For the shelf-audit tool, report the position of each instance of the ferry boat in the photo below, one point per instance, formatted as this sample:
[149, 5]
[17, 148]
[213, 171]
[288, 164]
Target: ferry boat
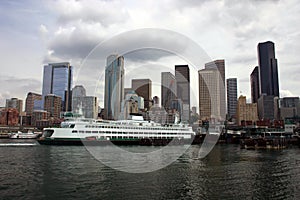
[136, 131]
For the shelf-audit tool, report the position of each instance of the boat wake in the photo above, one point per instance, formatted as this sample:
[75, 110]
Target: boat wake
[17, 144]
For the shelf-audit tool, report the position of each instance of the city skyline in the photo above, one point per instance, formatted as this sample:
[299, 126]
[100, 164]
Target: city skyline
[55, 34]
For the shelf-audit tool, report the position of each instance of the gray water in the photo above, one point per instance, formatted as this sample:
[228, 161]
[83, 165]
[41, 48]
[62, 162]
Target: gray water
[70, 172]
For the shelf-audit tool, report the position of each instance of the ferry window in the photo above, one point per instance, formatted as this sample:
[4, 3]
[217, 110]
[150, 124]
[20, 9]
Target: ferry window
[94, 131]
[72, 125]
[81, 131]
[48, 133]
[74, 131]
[88, 131]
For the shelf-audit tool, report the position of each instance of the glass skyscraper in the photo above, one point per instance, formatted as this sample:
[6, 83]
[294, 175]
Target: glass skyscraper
[268, 72]
[168, 89]
[57, 80]
[114, 86]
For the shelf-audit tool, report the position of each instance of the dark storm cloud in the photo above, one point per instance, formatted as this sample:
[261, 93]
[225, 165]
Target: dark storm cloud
[76, 43]
[140, 45]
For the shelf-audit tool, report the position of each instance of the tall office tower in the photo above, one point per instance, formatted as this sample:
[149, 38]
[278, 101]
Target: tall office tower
[220, 65]
[114, 86]
[231, 96]
[246, 111]
[210, 86]
[168, 90]
[212, 103]
[33, 102]
[254, 80]
[143, 88]
[15, 103]
[57, 79]
[268, 72]
[182, 76]
[52, 104]
[78, 91]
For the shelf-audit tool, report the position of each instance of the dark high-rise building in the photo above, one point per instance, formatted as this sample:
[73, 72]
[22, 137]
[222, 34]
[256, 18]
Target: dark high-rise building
[58, 80]
[168, 89]
[267, 106]
[231, 96]
[143, 88]
[182, 76]
[268, 71]
[254, 80]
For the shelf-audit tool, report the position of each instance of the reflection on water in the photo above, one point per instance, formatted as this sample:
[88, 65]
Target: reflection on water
[62, 172]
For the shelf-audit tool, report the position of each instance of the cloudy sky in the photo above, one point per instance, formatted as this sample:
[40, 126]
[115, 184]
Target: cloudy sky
[34, 33]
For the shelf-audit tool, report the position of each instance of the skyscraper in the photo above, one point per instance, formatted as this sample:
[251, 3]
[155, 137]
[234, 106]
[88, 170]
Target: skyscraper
[268, 72]
[231, 96]
[58, 79]
[212, 103]
[254, 80]
[114, 86]
[168, 89]
[182, 76]
[220, 65]
[210, 83]
[143, 88]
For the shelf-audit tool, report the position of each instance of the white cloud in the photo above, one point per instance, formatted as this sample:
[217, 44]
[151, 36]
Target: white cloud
[43, 29]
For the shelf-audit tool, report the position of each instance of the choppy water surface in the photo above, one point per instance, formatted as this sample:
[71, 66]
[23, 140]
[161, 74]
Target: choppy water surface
[70, 172]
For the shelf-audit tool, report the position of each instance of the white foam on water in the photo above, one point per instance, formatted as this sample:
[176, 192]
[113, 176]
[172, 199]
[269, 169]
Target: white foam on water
[16, 144]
